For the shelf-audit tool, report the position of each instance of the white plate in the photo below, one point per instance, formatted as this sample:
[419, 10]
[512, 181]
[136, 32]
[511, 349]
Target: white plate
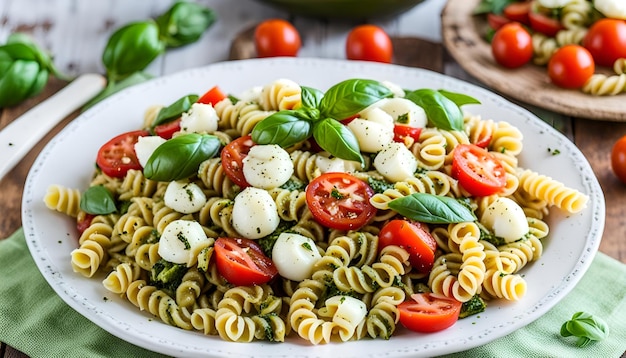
[69, 160]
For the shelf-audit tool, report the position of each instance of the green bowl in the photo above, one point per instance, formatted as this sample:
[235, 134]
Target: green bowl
[344, 9]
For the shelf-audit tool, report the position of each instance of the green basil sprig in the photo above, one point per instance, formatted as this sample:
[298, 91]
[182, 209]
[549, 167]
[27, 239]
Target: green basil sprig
[319, 116]
[97, 200]
[440, 110]
[585, 326]
[24, 69]
[349, 97]
[432, 209]
[184, 23]
[180, 157]
[175, 110]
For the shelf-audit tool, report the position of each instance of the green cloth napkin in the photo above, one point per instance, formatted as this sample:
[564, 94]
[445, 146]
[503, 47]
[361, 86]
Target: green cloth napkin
[36, 321]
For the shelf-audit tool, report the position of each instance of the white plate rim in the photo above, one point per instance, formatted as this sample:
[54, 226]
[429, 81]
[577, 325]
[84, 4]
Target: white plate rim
[168, 339]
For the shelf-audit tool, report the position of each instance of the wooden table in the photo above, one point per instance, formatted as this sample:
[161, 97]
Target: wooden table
[417, 41]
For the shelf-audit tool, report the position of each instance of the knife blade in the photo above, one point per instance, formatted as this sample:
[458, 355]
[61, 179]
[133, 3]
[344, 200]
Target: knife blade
[22, 134]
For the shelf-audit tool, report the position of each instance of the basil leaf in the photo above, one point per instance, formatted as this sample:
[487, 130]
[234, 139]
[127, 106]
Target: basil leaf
[174, 110]
[585, 326]
[180, 157]
[440, 110]
[311, 97]
[432, 209]
[283, 128]
[351, 96]
[97, 200]
[132, 48]
[459, 99]
[337, 139]
[184, 23]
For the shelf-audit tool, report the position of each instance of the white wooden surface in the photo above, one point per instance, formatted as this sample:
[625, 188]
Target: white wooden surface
[76, 31]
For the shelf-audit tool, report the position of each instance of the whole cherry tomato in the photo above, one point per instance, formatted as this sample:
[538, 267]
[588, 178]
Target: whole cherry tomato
[512, 45]
[606, 40]
[276, 37]
[618, 159]
[369, 43]
[571, 66]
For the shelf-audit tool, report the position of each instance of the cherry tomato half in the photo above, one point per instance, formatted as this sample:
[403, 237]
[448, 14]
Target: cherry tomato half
[415, 238]
[402, 131]
[478, 172]
[276, 37]
[369, 43]
[571, 66]
[117, 156]
[606, 40]
[167, 130]
[618, 159]
[232, 159]
[544, 24]
[518, 11]
[340, 201]
[428, 312]
[242, 262]
[212, 96]
[512, 45]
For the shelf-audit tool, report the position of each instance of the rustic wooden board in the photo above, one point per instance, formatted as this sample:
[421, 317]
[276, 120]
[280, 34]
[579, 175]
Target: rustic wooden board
[463, 37]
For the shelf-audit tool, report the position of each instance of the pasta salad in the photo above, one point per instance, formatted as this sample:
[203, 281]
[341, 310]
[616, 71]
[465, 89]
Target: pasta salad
[330, 216]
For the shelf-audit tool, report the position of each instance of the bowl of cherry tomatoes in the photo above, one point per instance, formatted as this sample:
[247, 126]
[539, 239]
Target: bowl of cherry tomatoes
[344, 9]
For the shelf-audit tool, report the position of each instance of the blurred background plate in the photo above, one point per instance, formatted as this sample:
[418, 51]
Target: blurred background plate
[463, 36]
[344, 9]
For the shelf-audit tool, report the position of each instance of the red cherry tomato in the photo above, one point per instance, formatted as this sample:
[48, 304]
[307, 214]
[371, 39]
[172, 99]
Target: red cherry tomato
[478, 172]
[571, 66]
[518, 11]
[512, 45]
[117, 156]
[618, 159]
[340, 201]
[242, 262]
[212, 96]
[276, 37]
[544, 24]
[167, 130]
[232, 159]
[428, 312]
[401, 131]
[496, 21]
[606, 40]
[369, 43]
[415, 238]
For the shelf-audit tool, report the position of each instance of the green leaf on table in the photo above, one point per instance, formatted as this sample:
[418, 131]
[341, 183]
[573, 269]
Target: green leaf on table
[97, 200]
[432, 209]
[184, 23]
[586, 327]
[181, 156]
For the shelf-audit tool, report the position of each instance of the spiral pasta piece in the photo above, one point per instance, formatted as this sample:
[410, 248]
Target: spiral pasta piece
[119, 280]
[212, 174]
[281, 94]
[552, 191]
[499, 284]
[159, 304]
[576, 14]
[63, 200]
[602, 85]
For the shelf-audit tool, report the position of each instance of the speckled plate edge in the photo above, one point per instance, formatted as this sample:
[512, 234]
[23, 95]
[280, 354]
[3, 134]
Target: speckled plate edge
[50, 236]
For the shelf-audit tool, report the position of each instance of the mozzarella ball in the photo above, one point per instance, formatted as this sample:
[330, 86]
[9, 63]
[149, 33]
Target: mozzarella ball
[254, 213]
[330, 165]
[145, 146]
[350, 311]
[294, 256]
[180, 239]
[394, 88]
[405, 111]
[371, 136]
[184, 197]
[506, 219]
[267, 166]
[200, 118]
[395, 162]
